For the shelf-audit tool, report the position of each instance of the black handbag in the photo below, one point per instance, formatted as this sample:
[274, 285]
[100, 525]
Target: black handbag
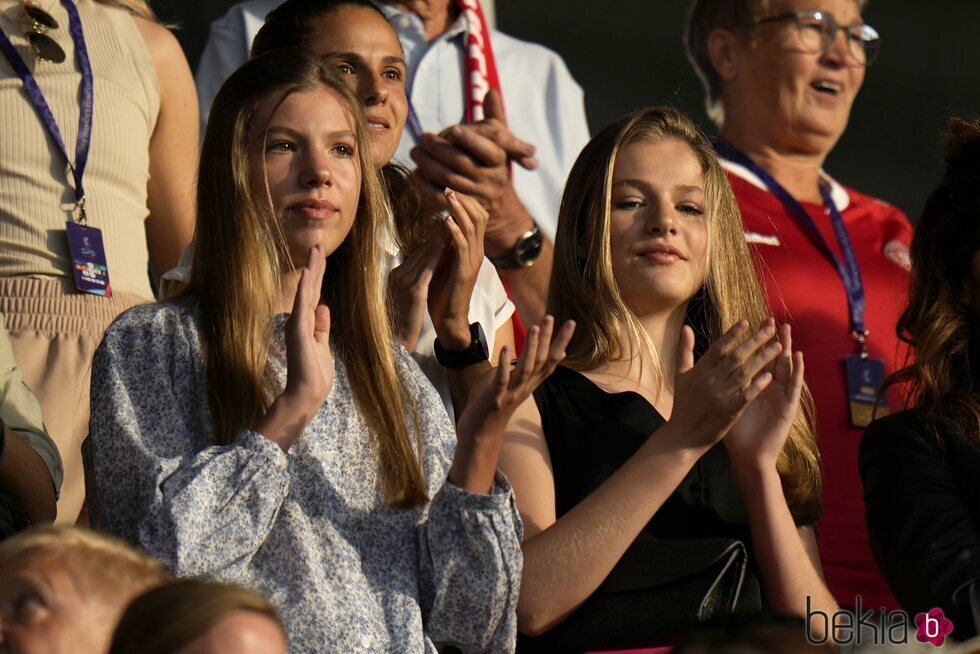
[659, 592]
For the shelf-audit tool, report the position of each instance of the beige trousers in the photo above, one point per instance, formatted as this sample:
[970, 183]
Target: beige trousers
[54, 331]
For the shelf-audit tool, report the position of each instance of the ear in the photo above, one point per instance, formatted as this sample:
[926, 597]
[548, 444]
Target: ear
[723, 53]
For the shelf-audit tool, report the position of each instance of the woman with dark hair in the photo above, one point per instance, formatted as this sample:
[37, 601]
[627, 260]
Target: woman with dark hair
[199, 617]
[619, 452]
[307, 457]
[921, 467]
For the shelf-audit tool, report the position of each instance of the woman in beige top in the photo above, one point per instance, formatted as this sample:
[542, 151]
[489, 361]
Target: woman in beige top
[139, 193]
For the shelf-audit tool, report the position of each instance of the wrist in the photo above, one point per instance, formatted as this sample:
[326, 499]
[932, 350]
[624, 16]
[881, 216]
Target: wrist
[454, 334]
[674, 442]
[753, 474]
[524, 252]
[285, 420]
[507, 224]
[474, 350]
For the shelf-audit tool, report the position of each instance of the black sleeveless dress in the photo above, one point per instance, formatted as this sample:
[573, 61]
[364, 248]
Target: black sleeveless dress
[591, 433]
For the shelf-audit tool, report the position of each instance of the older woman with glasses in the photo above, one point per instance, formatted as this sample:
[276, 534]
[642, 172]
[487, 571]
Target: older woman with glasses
[781, 77]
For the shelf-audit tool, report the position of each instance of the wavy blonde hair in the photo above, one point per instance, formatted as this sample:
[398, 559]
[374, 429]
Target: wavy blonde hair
[240, 257]
[584, 289]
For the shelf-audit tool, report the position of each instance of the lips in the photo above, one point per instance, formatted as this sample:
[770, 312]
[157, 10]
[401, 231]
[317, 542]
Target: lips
[827, 87]
[661, 253]
[377, 123]
[314, 209]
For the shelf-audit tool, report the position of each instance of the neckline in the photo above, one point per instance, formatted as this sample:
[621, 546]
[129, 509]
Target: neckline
[578, 375]
[837, 191]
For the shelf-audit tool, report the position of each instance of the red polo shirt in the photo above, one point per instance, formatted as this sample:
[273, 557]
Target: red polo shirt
[805, 290]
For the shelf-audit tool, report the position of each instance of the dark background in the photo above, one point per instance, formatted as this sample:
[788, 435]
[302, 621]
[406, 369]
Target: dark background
[628, 54]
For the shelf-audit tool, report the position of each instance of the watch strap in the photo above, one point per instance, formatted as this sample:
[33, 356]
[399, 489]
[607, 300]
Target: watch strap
[476, 352]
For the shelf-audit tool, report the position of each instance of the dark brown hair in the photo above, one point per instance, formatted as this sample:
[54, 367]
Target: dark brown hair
[939, 322]
[290, 25]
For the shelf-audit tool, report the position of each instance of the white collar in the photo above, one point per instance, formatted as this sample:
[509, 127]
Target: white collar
[457, 27]
[837, 192]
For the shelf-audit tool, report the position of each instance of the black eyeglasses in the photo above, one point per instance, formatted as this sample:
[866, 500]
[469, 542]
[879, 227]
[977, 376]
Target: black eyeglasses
[46, 48]
[818, 31]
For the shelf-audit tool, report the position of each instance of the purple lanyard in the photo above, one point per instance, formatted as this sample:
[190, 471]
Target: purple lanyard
[40, 104]
[848, 269]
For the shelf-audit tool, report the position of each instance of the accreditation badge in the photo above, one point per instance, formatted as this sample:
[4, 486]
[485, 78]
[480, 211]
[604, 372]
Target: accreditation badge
[865, 377]
[88, 259]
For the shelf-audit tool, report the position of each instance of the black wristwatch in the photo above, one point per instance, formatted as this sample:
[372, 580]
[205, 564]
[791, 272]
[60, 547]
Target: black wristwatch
[475, 352]
[525, 252]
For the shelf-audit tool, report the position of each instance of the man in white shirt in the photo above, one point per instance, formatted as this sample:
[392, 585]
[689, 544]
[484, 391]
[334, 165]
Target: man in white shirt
[544, 107]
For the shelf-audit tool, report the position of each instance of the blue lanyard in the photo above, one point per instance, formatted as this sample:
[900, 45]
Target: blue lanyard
[848, 269]
[40, 104]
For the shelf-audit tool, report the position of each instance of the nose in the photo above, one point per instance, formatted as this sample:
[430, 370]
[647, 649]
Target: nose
[659, 219]
[837, 52]
[373, 90]
[316, 169]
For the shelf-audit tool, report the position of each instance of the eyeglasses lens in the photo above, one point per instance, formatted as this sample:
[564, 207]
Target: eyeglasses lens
[818, 32]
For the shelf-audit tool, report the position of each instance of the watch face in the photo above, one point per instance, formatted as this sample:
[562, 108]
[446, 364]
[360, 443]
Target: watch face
[528, 250]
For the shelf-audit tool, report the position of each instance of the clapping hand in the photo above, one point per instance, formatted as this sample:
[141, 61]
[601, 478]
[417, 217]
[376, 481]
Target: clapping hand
[758, 436]
[408, 288]
[440, 275]
[711, 395]
[309, 361]
[497, 395]
[476, 159]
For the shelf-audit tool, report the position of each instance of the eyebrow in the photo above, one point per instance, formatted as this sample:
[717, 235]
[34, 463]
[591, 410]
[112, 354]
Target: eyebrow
[283, 129]
[389, 59]
[684, 188]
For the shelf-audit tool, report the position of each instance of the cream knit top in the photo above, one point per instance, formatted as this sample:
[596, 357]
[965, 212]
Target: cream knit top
[36, 186]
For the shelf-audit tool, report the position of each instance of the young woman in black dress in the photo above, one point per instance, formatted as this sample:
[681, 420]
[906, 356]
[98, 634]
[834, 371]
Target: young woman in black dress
[674, 354]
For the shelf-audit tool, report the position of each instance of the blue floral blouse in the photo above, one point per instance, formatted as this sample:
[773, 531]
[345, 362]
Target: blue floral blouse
[310, 528]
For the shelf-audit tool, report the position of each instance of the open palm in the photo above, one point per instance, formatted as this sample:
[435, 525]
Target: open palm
[761, 431]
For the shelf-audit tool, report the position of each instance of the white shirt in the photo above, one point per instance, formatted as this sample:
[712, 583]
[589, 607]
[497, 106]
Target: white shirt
[544, 104]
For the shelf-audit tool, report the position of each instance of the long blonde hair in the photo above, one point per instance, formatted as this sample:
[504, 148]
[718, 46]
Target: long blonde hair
[240, 257]
[139, 8]
[584, 289]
